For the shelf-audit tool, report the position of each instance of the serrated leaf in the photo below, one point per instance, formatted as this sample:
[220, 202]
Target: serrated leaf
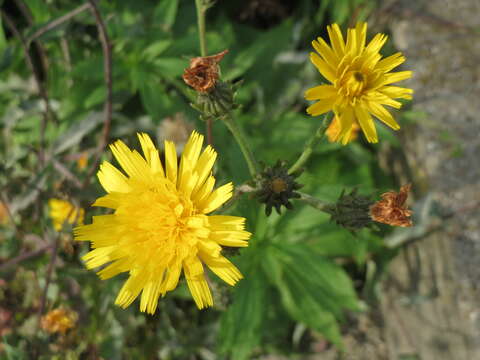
[77, 132]
[314, 290]
[241, 324]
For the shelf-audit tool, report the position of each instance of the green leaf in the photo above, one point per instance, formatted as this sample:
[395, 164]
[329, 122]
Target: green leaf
[242, 324]
[76, 132]
[155, 100]
[39, 9]
[165, 13]
[3, 39]
[314, 290]
[96, 97]
[155, 49]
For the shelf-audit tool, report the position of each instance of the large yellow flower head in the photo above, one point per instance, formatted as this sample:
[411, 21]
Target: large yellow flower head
[160, 225]
[360, 81]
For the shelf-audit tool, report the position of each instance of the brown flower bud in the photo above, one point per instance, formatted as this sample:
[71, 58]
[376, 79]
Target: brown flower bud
[391, 209]
[202, 74]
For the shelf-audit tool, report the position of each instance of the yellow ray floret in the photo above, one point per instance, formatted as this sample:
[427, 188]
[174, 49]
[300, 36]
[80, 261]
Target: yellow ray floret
[160, 225]
[360, 82]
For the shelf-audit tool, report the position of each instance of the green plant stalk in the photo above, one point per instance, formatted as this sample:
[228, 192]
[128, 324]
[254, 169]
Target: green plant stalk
[239, 136]
[309, 146]
[317, 203]
[201, 10]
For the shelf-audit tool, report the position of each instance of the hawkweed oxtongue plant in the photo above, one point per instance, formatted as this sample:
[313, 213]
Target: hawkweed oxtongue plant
[164, 222]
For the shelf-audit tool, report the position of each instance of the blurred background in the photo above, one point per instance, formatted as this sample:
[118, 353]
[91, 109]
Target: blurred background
[406, 294]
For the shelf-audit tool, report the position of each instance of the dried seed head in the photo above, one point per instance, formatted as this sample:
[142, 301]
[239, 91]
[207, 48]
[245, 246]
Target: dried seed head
[203, 72]
[391, 209]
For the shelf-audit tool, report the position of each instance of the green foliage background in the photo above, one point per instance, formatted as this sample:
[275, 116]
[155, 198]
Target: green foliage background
[303, 274]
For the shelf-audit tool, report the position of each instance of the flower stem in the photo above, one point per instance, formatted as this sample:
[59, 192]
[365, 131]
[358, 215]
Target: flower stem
[309, 146]
[317, 203]
[242, 142]
[201, 10]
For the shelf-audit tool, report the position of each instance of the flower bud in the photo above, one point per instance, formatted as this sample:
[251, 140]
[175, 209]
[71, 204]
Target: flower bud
[277, 187]
[352, 211]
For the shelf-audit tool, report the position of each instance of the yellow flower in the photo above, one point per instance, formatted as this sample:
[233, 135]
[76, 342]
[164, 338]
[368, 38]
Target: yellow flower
[82, 161]
[360, 81]
[59, 320]
[160, 224]
[333, 131]
[62, 211]
[3, 214]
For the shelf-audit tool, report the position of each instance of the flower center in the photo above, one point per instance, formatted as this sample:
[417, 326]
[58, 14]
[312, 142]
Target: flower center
[278, 185]
[354, 84]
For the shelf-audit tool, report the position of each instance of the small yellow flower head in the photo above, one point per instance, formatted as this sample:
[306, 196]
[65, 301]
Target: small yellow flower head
[62, 211]
[160, 225]
[82, 161]
[59, 321]
[360, 81]
[3, 214]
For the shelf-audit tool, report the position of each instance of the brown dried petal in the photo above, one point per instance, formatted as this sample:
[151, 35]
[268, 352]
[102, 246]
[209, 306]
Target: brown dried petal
[202, 74]
[391, 209]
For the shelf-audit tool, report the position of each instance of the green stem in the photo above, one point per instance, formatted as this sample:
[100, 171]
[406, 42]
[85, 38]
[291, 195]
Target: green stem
[242, 142]
[317, 203]
[201, 10]
[309, 146]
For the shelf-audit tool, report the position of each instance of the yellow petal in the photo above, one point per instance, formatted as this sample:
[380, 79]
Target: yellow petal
[382, 114]
[171, 161]
[325, 52]
[326, 70]
[150, 295]
[396, 92]
[200, 291]
[130, 290]
[151, 154]
[204, 167]
[347, 119]
[396, 76]
[336, 39]
[321, 107]
[366, 123]
[112, 179]
[361, 34]
[320, 92]
[351, 46]
[192, 148]
[217, 198]
[223, 268]
[390, 62]
[131, 161]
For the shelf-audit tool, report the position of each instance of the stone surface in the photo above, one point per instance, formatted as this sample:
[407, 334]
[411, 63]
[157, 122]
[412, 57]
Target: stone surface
[432, 302]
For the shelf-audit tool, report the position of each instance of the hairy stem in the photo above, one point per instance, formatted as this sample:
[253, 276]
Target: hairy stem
[201, 10]
[309, 146]
[242, 142]
[317, 203]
